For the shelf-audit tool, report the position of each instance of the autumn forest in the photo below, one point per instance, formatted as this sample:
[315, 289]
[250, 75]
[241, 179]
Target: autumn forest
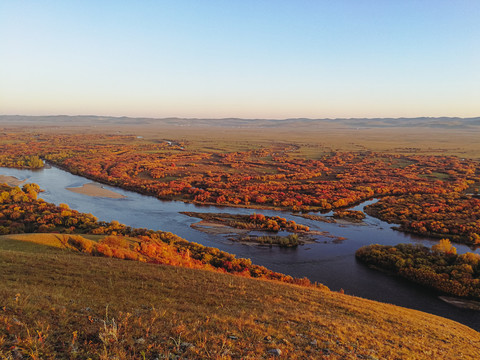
[423, 194]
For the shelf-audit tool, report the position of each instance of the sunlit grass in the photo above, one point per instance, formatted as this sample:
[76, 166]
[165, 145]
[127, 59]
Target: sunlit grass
[60, 304]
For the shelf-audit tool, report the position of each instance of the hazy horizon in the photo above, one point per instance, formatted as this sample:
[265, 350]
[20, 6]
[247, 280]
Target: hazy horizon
[246, 118]
[241, 59]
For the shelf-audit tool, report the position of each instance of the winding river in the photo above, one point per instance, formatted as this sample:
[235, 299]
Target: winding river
[327, 261]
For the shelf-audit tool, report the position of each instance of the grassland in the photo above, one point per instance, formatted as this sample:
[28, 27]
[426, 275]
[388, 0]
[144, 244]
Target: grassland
[55, 303]
[312, 138]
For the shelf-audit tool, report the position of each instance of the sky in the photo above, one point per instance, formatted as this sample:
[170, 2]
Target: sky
[241, 58]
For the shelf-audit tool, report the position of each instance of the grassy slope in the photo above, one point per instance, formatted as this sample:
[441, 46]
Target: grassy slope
[55, 303]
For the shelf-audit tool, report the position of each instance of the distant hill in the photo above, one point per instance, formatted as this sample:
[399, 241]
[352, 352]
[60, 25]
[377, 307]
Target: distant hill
[424, 122]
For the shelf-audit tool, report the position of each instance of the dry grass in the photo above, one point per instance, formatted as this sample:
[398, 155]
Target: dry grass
[59, 304]
[49, 240]
[312, 138]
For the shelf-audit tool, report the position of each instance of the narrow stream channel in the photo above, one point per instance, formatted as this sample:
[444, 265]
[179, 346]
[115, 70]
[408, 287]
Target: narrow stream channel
[327, 261]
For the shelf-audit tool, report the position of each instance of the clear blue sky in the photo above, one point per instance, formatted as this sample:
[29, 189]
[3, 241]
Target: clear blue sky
[241, 58]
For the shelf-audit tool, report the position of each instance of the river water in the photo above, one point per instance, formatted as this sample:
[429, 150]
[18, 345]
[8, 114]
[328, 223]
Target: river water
[326, 261]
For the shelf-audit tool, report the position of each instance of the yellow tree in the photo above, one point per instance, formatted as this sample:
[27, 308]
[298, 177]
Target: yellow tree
[445, 246]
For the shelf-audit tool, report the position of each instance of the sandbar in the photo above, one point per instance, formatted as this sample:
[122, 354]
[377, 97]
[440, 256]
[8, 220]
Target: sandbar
[216, 228]
[92, 189]
[462, 303]
[10, 180]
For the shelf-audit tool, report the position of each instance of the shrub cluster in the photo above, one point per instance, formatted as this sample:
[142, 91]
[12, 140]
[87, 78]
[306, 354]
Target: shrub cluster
[439, 268]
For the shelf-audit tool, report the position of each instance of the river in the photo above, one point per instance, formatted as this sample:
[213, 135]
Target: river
[326, 261]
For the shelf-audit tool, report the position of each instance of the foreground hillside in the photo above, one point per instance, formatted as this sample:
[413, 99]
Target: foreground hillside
[57, 303]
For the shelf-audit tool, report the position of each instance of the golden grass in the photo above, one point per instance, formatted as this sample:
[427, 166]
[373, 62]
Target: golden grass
[53, 240]
[313, 139]
[59, 304]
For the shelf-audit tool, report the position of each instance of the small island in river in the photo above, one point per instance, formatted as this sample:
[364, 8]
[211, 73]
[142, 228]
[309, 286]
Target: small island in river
[239, 225]
[292, 240]
[321, 218]
[92, 189]
[349, 215]
[258, 222]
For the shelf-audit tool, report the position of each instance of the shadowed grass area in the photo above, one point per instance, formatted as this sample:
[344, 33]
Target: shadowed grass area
[56, 303]
[26, 241]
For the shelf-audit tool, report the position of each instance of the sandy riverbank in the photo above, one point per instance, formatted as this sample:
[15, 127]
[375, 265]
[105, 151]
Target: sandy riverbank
[10, 180]
[92, 189]
[461, 303]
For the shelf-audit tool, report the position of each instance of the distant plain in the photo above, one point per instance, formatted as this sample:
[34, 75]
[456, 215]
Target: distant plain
[312, 138]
